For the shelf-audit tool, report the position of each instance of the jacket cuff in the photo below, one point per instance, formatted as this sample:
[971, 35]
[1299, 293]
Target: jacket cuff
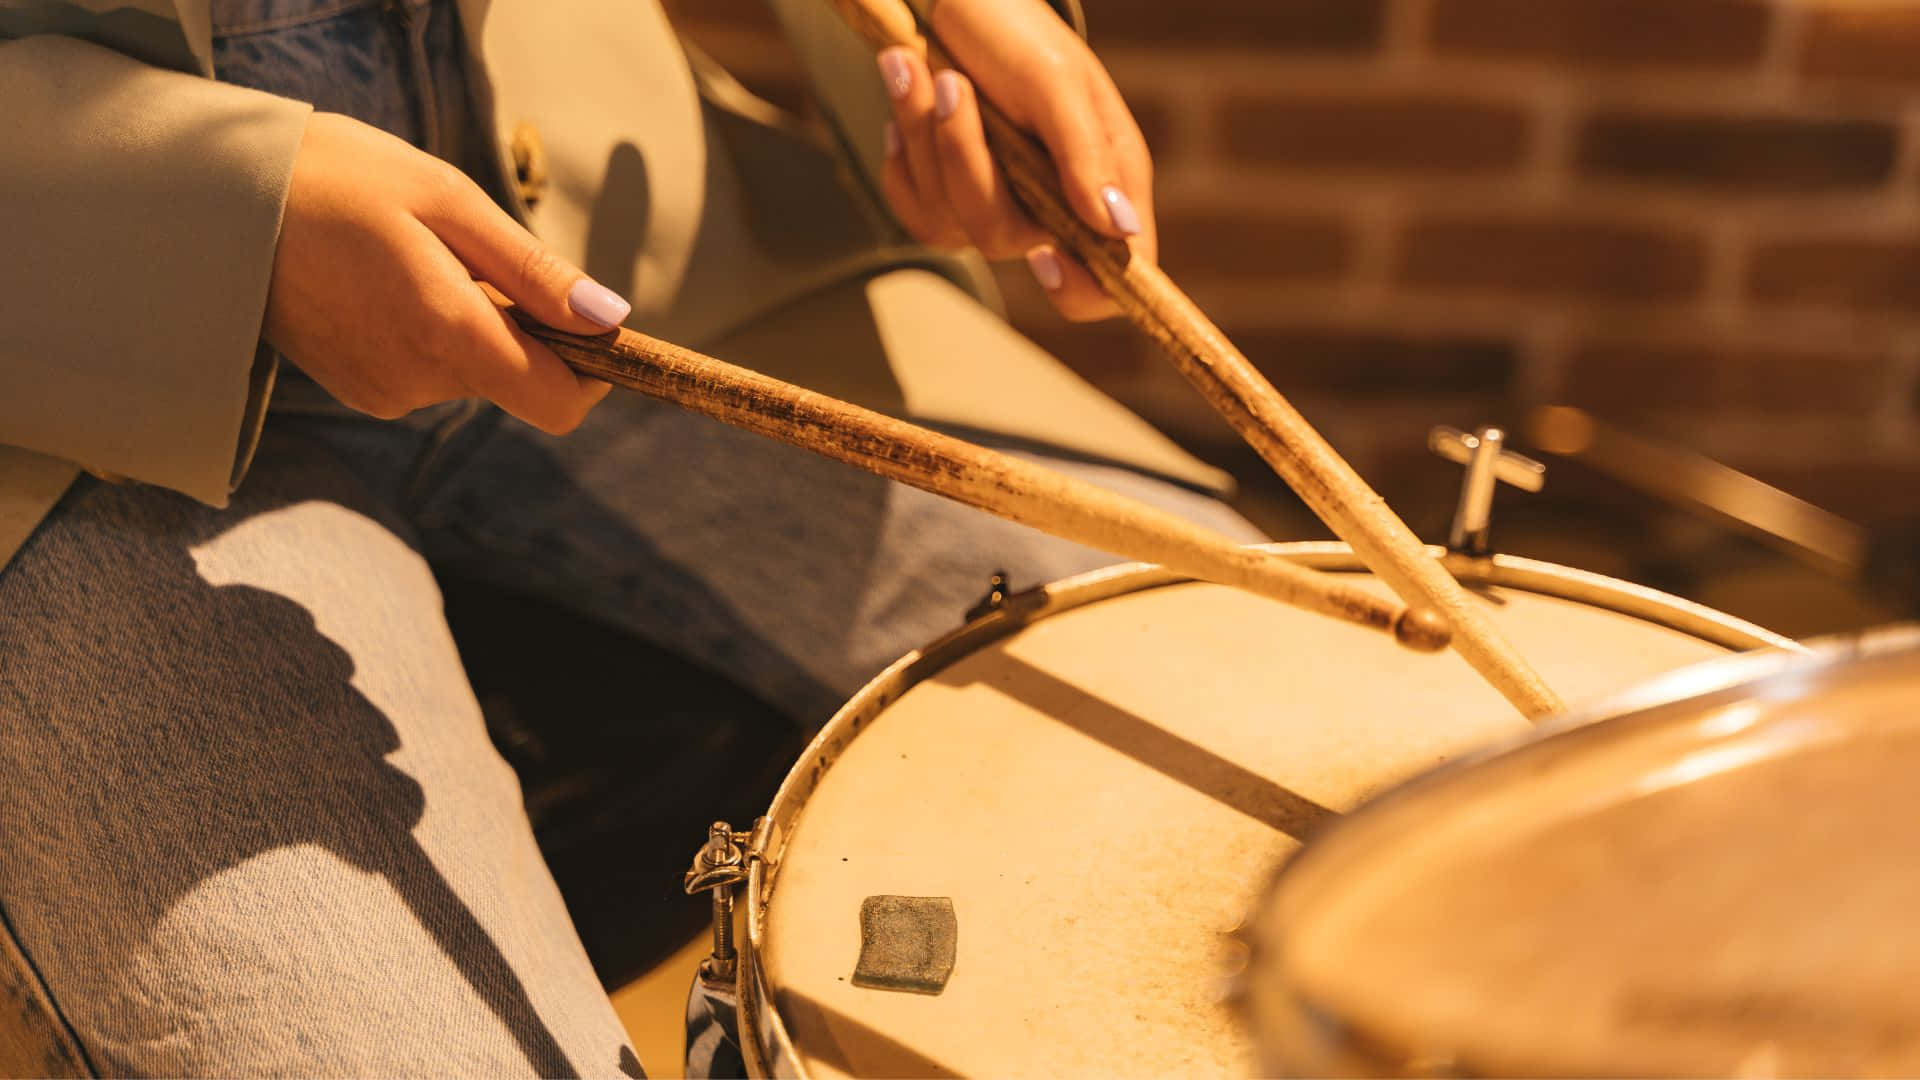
[143, 208]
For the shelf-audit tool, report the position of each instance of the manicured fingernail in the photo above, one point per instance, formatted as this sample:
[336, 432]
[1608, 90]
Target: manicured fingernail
[598, 304]
[891, 139]
[1120, 209]
[1046, 268]
[946, 93]
[897, 72]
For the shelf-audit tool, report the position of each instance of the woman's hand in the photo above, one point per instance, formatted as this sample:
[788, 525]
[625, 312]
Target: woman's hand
[944, 185]
[377, 290]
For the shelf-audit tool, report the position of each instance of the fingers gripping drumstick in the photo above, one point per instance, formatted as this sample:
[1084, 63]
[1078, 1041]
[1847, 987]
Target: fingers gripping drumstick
[998, 483]
[1238, 391]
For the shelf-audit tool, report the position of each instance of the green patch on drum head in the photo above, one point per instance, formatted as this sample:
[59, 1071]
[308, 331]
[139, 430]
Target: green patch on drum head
[906, 943]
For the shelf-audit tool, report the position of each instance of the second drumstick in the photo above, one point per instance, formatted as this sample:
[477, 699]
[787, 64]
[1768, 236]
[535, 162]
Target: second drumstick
[1000, 484]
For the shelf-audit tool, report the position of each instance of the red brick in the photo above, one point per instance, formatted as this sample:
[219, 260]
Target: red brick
[1311, 26]
[1323, 360]
[1376, 134]
[1719, 34]
[1857, 273]
[1554, 257]
[1740, 153]
[1861, 42]
[1306, 358]
[1319, 362]
[1279, 246]
[1626, 379]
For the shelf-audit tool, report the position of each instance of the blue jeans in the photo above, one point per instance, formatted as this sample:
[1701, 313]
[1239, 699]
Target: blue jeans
[252, 822]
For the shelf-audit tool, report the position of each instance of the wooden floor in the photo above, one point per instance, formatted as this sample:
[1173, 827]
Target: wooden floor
[654, 1008]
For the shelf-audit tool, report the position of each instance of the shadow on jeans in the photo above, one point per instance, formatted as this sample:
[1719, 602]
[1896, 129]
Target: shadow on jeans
[181, 729]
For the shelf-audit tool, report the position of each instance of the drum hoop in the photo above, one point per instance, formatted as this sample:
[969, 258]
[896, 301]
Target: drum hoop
[761, 1029]
[778, 1056]
[1702, 680]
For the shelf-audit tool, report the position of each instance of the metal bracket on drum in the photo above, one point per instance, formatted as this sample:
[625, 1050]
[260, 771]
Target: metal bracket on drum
[719, 866]
[1001, 599]
[1487, 459]
[998, 590]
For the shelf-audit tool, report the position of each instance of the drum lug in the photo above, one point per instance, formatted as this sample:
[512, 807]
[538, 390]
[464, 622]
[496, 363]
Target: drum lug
[719, 866]
[1000, 599]
[1487, 459]
[994, 600]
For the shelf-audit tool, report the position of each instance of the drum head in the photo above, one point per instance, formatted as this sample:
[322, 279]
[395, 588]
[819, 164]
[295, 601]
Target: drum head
[1098, 795]
[1725, 884]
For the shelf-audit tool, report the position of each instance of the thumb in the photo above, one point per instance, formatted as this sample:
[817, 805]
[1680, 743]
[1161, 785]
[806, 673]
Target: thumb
[497, 250]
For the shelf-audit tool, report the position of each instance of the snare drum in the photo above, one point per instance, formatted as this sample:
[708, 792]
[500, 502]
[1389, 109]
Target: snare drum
[1718, 875]
[1093, 778]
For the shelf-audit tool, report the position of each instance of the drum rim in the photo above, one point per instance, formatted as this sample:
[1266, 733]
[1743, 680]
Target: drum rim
[774, 1052]
[1701, 681]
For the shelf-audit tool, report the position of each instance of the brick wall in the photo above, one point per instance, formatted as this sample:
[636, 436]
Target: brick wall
[1697, 217]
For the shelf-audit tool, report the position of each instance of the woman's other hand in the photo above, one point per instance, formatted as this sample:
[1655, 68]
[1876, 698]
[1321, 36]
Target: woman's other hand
[377, 290]
[943, 183]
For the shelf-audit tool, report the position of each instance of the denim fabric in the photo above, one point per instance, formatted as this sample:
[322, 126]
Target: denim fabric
[395, 64]
[713, 1033]
[253, 823]
[798, 576]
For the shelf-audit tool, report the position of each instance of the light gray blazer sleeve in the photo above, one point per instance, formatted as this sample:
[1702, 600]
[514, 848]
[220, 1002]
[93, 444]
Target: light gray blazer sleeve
[139, 208]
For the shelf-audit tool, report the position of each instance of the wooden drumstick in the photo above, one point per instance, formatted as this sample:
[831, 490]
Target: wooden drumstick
[1000, 484]
[1236, 389]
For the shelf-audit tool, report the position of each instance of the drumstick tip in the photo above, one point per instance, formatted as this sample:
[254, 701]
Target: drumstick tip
[1422, 629]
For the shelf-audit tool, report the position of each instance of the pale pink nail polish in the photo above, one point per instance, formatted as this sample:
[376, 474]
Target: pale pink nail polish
[1120, 209]
[946, 93]
[1046, 268]
[598, 304]
[890, 139]
[897, 72]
